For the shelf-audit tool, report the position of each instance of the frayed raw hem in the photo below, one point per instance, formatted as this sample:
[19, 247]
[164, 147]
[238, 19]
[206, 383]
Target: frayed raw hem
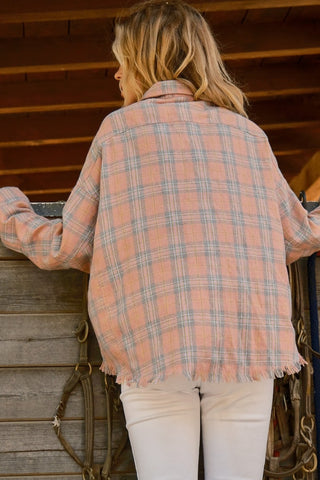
[218, 374]
[107, 369]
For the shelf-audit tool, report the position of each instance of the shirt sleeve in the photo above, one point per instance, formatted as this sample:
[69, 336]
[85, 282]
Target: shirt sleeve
[301, 229]
[60, 243]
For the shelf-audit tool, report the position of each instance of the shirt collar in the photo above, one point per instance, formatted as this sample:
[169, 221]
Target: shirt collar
[169, 87]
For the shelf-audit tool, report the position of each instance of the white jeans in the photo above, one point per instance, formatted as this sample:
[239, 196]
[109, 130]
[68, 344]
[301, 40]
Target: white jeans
[164, 421]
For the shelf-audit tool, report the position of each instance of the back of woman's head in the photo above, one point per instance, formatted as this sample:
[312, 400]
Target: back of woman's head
[167, 40]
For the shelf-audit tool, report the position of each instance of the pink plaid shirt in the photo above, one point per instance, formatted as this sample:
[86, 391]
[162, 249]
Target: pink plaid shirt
[185, 224]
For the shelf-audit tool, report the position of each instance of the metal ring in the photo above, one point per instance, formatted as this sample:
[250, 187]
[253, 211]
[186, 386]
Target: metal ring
[87, 471]
[315, 465]
[86, 333]
[307, 427]
[89, 365]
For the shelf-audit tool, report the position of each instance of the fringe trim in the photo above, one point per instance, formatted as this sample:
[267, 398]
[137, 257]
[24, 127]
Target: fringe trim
[217, 374]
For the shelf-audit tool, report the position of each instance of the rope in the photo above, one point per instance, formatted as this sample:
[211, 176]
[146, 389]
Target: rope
[314, 326]
[82, 374]
[299, 445]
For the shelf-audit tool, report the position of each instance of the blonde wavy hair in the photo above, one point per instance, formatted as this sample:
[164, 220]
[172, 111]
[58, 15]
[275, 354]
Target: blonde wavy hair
[167, 40]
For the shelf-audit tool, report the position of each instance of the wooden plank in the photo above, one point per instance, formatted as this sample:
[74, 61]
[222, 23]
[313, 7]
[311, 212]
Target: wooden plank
[53, 462]
[56, 463]
[78, 53]
[259, 15]
[26, 288]
[294, 153]
[34, 393]
[257, 82]
[49, 196]
[68, 476]
[291, 157]
[293, 136]
[33, 448]
[303, 13]
[42, 339]
[47, 477]
[46, 96]
[28, 171]
[114, 476]
[289, 112]
[49, 141]
[6, 254]
[42, 437]
[290, 165]
[279, 79]
[44, 180]
[313, 191]
[32, 184]
[60, 95]
[55, 54]
[293, 140]
[264, 41]
[12, 30]
[46, 29]
[85, 26]
[43, 155]
[308, 176]
[40, 11]
[47, 129]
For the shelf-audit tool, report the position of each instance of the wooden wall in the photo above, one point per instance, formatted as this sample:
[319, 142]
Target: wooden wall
[39, 310]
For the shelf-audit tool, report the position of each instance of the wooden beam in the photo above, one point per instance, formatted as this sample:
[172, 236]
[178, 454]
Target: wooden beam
[285, 138]
[278, 79]
[51, 54]
[46, 10]
[291, 165]
[41, 181]
[297, 111]
[47, 141]
[294, 140]
[313, 192]
[48, 194]
[43, 156]
[258, 83]
[31, 171]
[288, 171]
[294, 152]
[75, 154]
[54, 195]
[266, 41]
[307, 177]
[49, 180]
[81, 128]
[79, 53]
[46, 96]
[48, 129]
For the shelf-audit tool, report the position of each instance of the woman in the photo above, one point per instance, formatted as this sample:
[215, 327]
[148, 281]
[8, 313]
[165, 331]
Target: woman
[185, 224]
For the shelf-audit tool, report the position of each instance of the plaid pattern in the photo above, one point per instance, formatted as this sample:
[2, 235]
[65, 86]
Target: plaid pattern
[185, 224]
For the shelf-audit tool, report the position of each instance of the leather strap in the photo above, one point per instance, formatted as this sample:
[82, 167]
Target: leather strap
[81, 374]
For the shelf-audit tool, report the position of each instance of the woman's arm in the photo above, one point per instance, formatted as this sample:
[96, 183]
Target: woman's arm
[55, 244]
[301, 229]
